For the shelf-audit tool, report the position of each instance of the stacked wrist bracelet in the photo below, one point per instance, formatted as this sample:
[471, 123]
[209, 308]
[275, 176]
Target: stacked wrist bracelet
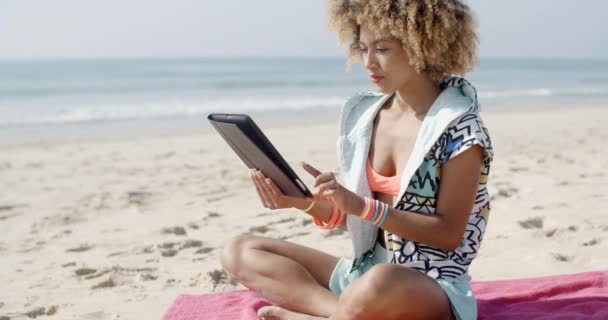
[375, 211]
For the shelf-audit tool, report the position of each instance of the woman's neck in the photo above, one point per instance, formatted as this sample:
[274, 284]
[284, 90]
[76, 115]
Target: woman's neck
[417, 96]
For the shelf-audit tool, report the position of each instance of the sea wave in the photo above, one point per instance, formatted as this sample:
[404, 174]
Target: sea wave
[112, 112]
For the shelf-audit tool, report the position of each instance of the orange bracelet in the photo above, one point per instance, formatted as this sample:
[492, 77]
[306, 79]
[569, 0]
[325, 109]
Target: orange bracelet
[336, 219]
[332, 220]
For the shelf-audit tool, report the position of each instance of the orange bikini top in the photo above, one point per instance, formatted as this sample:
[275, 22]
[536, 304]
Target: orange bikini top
[380, 183]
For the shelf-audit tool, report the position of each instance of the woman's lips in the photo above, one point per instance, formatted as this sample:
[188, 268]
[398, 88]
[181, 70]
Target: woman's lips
[376, 79]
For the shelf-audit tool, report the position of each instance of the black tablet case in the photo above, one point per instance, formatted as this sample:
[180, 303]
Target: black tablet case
[253, 147]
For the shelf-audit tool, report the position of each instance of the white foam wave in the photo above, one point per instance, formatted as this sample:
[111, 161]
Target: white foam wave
[146, 110]
[543, 92]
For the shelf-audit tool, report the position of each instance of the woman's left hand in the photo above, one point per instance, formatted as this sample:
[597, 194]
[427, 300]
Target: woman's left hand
[327, 188]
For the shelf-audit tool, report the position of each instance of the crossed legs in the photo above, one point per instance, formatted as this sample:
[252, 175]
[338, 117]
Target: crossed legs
[296, 279]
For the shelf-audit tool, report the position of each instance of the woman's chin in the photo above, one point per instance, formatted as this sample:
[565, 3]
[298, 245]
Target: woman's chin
[383, 89]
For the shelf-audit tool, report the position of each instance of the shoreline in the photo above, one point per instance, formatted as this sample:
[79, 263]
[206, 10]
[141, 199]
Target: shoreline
[116, 130]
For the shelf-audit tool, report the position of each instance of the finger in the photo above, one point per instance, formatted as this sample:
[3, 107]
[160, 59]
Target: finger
[310, 169]
[267, 203]
[267, 192]
[323, 178]
[275, 189]
[255, 183]
[258, 185]
[276, 196]
[329, 185]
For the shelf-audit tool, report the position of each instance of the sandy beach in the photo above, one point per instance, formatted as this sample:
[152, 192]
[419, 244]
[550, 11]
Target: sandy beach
[116, 228]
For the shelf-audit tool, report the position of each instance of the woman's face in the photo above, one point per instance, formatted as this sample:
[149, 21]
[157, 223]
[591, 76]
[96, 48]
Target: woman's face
[385, 60]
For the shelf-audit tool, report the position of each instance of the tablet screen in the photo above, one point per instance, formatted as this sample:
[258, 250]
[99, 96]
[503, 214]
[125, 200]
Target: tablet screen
[256, 151]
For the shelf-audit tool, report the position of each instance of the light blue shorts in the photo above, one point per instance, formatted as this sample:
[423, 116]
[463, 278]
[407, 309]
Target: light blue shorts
[457, 289]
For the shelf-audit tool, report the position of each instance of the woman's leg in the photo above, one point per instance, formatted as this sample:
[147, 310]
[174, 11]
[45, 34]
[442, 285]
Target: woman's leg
[385, 292]
[389, 291]
[292, 276]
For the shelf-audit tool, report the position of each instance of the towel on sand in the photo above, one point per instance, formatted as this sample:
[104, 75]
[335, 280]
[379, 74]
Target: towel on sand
[572, 297]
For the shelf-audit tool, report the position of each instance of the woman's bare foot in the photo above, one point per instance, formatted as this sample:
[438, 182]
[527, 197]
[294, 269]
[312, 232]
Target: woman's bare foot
[277, 313]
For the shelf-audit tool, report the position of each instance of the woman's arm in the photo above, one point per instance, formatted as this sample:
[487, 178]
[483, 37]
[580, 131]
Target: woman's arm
[445, 229]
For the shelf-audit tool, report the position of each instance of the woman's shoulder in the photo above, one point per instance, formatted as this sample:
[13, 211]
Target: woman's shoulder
[355, 105]
[465, 131]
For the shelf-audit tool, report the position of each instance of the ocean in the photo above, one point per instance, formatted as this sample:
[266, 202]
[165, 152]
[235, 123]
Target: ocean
[75, 97]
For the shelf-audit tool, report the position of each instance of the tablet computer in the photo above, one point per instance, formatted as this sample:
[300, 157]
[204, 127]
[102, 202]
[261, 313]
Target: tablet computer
[256, 151]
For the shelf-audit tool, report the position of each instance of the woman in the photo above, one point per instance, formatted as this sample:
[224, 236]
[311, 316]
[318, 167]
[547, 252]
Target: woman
[415, 158]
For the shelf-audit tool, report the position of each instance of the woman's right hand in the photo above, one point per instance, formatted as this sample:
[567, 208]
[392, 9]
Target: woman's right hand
[271, 196]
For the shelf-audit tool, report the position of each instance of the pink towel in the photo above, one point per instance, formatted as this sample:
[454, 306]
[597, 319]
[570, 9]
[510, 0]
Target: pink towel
[572, 297]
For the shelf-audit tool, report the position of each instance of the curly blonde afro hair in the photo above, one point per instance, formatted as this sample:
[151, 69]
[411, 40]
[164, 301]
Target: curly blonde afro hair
[438, 35]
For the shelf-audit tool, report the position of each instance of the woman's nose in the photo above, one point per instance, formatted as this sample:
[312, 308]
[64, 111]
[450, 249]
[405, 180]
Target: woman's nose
[370, 61]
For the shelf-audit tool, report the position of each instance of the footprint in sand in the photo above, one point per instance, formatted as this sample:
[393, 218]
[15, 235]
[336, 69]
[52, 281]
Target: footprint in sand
[211, 215]
[504, 193]
[165, 155]
[10, 210]
[560, 257]
[41, 311]
[170, 249]
[334, 232]
[81, 248]
[139, 198]
[259, 229]
[298, 234]
[84, 271]
[204, 250]
[73, 216]
[218, 277]
[9, 207]
[552, 232]
[117, 276]
[96, 201]
[177, 230]
[62, 234]
[10, 215]
[591, 242]
[222, 197]
[532, 223]
[282, 221]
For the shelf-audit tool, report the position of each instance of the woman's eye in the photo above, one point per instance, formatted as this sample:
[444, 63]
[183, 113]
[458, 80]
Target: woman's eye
[361, 49]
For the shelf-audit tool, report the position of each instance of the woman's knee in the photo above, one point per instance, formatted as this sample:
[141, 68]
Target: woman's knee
[370, 295]
[394, 292]
[232, 253]
[379, 280]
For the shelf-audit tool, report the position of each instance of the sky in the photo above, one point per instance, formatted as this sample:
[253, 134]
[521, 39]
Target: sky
[201, 28]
